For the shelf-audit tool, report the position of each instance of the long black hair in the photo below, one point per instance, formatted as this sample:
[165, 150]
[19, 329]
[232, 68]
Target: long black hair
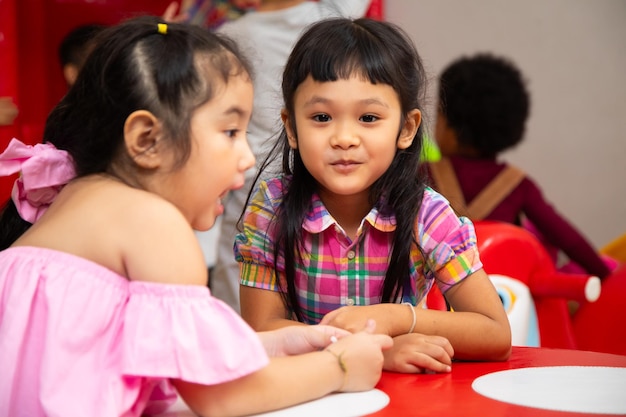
[134, 66]
[382, 53]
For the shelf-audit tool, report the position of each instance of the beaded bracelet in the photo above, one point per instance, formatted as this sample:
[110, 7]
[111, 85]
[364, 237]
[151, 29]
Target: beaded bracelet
[414, 317]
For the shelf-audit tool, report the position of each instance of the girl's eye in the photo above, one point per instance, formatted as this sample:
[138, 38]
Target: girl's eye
[369, 118]
[321, 118]
[232, 133]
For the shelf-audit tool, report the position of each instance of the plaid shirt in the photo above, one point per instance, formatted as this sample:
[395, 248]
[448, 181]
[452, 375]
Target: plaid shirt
[337, 271]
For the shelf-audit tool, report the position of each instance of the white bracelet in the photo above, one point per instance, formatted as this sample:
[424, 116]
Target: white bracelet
[414, 317]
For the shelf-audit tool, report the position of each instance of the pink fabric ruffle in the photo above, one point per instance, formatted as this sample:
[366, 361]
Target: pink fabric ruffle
[198, 340]
[76, 339]
[44, 171]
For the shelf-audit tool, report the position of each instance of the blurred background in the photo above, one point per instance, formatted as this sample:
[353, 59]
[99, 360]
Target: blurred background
[572, 52]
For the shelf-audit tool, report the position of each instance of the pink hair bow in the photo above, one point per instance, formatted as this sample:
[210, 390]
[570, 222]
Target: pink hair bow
[44, 171]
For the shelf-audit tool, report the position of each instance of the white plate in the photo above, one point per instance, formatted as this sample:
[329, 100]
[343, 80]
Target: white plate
[344, 404]
[577, 389]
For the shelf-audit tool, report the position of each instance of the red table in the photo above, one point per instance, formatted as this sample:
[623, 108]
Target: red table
[445, 395]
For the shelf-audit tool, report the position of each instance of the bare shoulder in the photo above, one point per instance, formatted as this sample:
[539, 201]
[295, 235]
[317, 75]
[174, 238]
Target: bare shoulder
[135, 233]
[157, 243]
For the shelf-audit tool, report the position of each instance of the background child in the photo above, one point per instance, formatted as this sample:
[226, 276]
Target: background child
[267, 32]
[103, 297]
[483, 108]
[349, 229]
[74, 49]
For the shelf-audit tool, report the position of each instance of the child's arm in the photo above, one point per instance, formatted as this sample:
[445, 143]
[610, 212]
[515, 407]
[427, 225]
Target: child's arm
[415, 353]
[559, 232]
[478, 328]
[353, 363]
[411, 352]
[295, 340]
[264, 309]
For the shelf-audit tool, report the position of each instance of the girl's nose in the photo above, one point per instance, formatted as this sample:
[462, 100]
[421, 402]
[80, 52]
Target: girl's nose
[344, 136]
[247, 159]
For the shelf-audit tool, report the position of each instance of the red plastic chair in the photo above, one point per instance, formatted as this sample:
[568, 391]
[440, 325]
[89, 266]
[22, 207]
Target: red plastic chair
[512, 251]
[601, 326]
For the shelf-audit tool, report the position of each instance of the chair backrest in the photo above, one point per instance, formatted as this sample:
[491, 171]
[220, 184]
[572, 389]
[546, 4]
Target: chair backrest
[512, 251]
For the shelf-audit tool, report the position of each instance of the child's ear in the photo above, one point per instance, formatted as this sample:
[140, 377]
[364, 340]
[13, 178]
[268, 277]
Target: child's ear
[291, 136]
[70, 72]
[409, 129]
[142, 131]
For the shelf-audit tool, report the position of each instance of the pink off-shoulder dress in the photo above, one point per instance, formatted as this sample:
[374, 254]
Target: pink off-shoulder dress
[76, 339]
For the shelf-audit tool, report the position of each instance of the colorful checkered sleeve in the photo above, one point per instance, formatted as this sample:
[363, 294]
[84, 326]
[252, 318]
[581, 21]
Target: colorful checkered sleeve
[254, 246]
[448, 241]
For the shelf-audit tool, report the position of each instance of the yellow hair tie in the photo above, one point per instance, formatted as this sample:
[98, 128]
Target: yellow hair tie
[162, 28]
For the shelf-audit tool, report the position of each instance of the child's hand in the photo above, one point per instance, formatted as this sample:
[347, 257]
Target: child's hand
[8, 111]
[361, 358]
[417, 353]
[169, 15]
[354, 318]
[295, 340]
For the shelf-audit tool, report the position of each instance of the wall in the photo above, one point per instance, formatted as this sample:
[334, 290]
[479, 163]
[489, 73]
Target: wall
[573, 55]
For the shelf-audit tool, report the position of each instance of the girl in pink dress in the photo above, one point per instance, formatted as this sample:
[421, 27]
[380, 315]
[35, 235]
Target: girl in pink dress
[104, 307]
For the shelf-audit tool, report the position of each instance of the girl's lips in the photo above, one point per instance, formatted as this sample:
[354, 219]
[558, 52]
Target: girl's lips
[238, 184]
[345, 162]
[345, 167]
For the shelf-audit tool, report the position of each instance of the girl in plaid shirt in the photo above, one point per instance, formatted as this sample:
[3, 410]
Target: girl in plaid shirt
[348, 231]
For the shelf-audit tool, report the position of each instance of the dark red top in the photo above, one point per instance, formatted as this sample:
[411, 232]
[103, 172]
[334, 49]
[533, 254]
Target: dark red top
[526, 199]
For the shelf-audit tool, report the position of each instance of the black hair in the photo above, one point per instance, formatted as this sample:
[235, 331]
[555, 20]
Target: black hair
[382, 53]
[134, 67]
[76, 45]
[485, 101]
